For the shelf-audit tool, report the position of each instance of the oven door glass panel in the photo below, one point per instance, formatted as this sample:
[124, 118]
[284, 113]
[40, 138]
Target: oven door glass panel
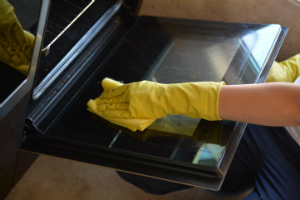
[171, 51]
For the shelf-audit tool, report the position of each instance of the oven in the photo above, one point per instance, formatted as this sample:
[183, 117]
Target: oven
[80, 42]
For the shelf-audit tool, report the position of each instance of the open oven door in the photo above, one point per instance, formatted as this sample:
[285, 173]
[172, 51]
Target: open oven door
[118, 45]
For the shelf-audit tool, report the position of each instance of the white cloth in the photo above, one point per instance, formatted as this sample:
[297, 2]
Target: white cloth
[295, 131]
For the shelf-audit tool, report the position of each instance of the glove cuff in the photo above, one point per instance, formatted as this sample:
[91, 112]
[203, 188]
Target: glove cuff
[218, 94]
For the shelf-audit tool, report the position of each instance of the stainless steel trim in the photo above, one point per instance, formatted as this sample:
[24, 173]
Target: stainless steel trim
[26, 85]
[46, 50]
[77, 49]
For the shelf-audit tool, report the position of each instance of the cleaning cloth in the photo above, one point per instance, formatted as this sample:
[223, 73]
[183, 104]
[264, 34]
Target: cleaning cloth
[132, 124]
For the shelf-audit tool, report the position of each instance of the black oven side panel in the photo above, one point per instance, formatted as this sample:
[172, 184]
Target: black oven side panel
[11, 133]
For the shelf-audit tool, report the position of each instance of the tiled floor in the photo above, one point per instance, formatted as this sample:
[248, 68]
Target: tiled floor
[51, 178]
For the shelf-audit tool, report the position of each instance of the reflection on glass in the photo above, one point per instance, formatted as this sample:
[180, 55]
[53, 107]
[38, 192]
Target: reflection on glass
[210, 153]
[18, 21]
[261, 49]
[190, 58]
[176, 124]
[258, 43]
[204, 147]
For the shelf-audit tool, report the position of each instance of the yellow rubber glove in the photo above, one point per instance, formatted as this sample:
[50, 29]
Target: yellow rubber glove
[24, 68]
[145, 99]
[14, 46]
[132, 124]
[285, 71]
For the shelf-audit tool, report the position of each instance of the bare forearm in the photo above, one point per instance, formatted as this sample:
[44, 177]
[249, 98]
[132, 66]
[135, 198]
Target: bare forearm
[271, 104]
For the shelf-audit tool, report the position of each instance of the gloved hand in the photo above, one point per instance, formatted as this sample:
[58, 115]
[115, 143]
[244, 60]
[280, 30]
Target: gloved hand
[151, 100]
[14, 47]
[132, 124]
[285, 71]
